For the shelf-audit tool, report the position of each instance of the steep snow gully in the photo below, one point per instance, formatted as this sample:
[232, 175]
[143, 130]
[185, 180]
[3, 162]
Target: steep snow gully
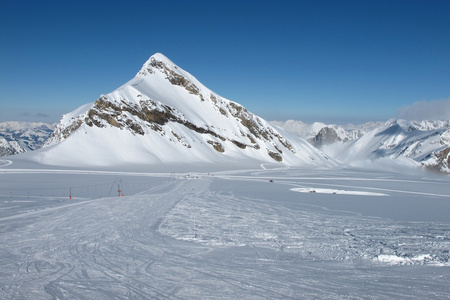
[235, 234]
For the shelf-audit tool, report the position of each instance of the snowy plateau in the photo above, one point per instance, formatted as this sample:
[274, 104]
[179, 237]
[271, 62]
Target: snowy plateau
[163, 189]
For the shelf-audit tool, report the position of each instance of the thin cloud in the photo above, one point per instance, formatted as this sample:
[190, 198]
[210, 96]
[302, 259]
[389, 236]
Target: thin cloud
[42, 115]
[35, 115]
[426, 110]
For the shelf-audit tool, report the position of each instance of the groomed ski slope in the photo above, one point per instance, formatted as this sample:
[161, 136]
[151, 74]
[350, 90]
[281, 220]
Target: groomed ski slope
[240, 234]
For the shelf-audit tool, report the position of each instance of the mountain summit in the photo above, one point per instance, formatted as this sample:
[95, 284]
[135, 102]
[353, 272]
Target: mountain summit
[165, 115]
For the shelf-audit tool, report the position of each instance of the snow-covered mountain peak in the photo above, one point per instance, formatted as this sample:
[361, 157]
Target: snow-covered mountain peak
[400, 125]
[161, 57]
[156, 60]
[166, 115]
[159, 64]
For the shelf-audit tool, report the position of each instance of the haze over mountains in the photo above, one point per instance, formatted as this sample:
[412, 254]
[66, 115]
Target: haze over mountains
[164, 115]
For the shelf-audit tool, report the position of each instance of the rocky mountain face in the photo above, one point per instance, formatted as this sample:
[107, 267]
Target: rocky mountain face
[174, 117]
[19, 137]
[425, 142]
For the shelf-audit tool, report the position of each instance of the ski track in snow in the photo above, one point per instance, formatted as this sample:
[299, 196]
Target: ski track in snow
[229, 235]
[5, 162]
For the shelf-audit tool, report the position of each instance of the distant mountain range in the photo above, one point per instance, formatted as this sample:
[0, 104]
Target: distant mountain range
[164, 115]
[20, 137]
[426, 142]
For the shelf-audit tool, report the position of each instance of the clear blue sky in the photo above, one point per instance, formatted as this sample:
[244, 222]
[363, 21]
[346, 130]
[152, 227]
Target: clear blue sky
[331, 61]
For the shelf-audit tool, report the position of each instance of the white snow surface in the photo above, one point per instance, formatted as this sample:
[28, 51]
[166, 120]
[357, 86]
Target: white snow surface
[335, 191]
[210, 232]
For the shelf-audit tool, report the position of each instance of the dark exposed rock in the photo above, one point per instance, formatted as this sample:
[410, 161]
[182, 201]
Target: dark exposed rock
[275, 156]
[325, 136]
[65, 132]
[239, 144]
[278, 149]
[217, 146]
[177, 79]
[443, 161]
